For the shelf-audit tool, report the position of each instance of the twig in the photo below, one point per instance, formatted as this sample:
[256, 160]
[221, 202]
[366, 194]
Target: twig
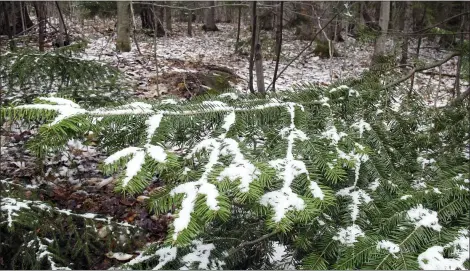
[426, 67]
[133, 31]
[248, 243]
[304, 49]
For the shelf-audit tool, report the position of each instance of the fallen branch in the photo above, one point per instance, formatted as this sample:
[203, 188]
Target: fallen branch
[419, 69]
[437, 73]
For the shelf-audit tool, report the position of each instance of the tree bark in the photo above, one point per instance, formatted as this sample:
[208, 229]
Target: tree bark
[278, 42]
[123, 41]
[9, 30]
[238, 28]
[62, 28]
[265, 19]
[259, 62]
[41, 15]
[18, 16]
[190, 23]
[406, 28]
[168, 21]
[150, 20]
[253, 44]
[209, 20]
[379, 49]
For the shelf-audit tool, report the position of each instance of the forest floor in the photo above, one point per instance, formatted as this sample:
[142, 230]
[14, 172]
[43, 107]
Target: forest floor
[73, 179]
[178, 56]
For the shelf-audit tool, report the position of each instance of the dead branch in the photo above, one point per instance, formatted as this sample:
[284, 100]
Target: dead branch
[423, 68]
[305, 48]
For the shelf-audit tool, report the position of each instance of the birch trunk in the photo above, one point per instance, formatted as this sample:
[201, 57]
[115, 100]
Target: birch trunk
[380, 43]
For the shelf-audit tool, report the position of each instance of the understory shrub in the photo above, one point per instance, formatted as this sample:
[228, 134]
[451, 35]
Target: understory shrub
[344, 177]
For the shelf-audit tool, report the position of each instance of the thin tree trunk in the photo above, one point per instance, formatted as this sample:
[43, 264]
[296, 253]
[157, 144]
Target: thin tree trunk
[379, 49]
[168, 21]
[259, 61]
[123, 41]
[417, 49]
[23, 25]
[8, 22]
[190, 23]
[62, 27]
[253, 43]
[459, 63]
[134, 30]
[13, 17]
[155, 53]
[238, 29]
[40, 14]
[278, 43]
[150, 18]
[406, 28]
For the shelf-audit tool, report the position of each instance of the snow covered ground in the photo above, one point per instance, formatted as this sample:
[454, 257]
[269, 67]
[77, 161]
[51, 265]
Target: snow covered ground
[218, 48]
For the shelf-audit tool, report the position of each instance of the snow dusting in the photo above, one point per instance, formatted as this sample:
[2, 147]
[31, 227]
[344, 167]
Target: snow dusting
[424, 217]
[348, 236]
[433, 258]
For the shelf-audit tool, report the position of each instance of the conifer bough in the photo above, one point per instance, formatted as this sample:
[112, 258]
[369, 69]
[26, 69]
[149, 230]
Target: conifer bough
[345, 175]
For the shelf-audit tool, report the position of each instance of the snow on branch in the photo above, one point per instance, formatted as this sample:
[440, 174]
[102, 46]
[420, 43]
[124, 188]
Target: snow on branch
[288, 168]
[239, 168]
[200, 253]
[433, 258]
[14, 206]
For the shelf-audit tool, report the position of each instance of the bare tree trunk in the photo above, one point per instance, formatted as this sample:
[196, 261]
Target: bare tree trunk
[407, 28]
[379, 49]
[417, 49]
[14, 18]
[209, 18]
[23, 26]
[265, 18]
[238, 28]
[190, 23]
[168, 21]
[123, 41]
[150, 20]
[62, 28]
[259, 62]
[8, 24]
[133, 29]
[456, 90]
[253, 44]
[278, 42]
[41, 15]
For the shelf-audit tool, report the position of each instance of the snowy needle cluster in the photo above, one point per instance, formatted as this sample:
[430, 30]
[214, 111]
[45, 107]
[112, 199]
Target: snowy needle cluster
[343, 177]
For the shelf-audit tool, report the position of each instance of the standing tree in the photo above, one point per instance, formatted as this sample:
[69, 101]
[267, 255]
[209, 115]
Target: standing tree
[150, 20]
[123, 42]
[259, 62]
[238, 28]
[407, 27]
[278, 42]
[168, 18]
[209, 19]
[19, 21]
[63, 38]
[41, 15]
[253, 44]
[380, 48]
